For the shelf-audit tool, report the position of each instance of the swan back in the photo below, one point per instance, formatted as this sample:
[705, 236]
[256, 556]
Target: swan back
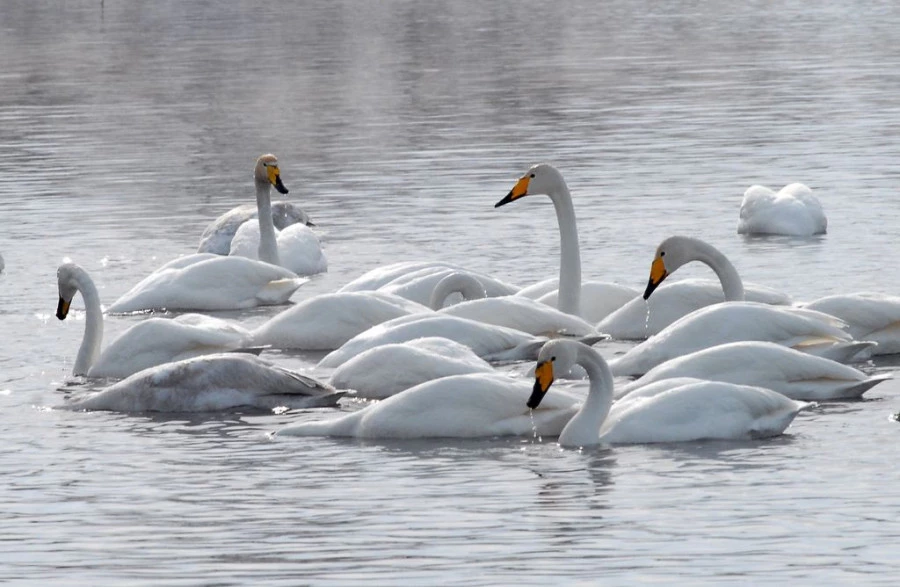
[793, 211]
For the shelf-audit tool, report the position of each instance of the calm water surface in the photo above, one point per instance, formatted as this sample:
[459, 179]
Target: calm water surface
[126, 126]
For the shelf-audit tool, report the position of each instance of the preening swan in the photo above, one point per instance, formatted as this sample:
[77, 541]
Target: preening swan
[211, 383]
[793, 211]
[692, 411]
[591, 302]
[869, 316]
[146, 344]
[460, 406]
[388, 369]
[218, 234]
[325, 322]
[204, 281]
[516, 312]
[792, 373]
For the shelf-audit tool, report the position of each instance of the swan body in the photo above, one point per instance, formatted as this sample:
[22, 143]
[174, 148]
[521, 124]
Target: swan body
[461, 406]
[419, 285]
[325, 322]
[793, 211]
[299, 249]
[869, 316]
[516, 312]
[487, 341]
[151, 342]
[211, 383]
[544, 179]
[693, 411]
[388, 369]
[640, 318]
[217, 236]
[811, 332]
[792, 373]
[204, 281]
[599, 299]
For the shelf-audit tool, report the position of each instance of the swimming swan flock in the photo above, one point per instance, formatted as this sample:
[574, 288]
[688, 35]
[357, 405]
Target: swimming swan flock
[414, 341]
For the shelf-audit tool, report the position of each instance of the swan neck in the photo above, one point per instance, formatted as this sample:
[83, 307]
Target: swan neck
[462, 283]
[728, 275]
[584, 428]
[268, 244]
[569, 297]
[93, 324]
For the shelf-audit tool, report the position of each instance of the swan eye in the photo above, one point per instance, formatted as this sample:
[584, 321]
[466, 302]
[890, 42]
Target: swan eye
[552, 359]
[662, 253]
[532, 176]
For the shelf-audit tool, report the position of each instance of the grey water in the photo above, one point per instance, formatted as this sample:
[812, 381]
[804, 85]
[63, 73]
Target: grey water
[126, 126]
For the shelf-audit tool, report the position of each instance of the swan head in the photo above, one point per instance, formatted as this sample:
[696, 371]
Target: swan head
[541, 179]
[671, 254]
[267, 172]
[556, 356]
[67, 277]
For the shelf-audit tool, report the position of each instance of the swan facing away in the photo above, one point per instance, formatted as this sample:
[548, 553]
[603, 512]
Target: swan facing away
[211, 383]
[869, 316]
[219, 233]
[151, 342]
[459, 406]
[793, 211]
[326, 321]
[388, 369]
[516, 312]
[730, 321]
[690, 410]
[204, 281]
[792, 373]
[592, 303]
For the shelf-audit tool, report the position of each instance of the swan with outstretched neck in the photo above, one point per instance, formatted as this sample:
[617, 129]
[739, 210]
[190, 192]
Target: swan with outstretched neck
[730, 321]
[684, 410]
[206, 281]
[151, 342]
[592, 300]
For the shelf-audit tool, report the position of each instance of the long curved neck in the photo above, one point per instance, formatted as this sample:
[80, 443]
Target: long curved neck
[268, 245]
[463, 283]
[93, 324]
[584, 428]
[569, 297]
[731, 281]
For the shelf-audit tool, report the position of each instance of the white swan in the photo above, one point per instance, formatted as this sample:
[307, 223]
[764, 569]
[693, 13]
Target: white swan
[592, 300]
[792, 373]
[494, 343]
[146, 344]
[460, 406]
[516, 312]
[325, 322]
[204, 281]
[388, 369]
[296, 248]
[211, 383]
[693, 411]
[793, 211]
[640, 318]
[217, 236]
[730, 321]
[869, 316]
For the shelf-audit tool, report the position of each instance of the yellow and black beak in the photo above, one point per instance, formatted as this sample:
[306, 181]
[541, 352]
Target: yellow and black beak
[275, 178]
[62, 309]
[543, 379]
[658, 273]
[519, 190]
